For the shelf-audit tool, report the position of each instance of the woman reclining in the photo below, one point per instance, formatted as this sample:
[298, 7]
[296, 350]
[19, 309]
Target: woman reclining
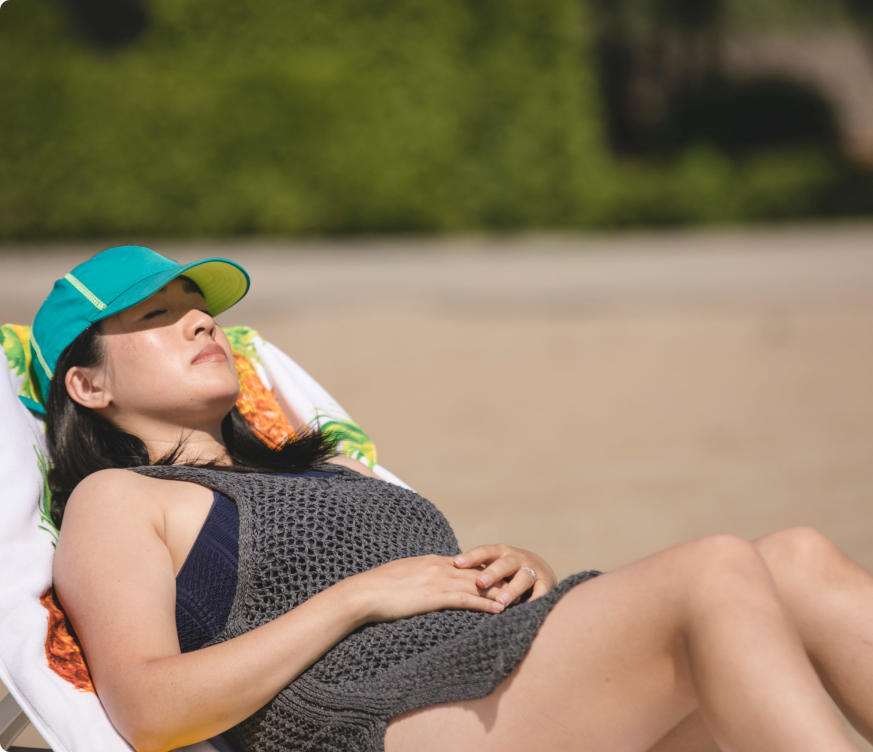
[290, 600]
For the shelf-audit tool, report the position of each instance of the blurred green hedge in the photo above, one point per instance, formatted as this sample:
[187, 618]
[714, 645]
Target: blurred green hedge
[349, 116]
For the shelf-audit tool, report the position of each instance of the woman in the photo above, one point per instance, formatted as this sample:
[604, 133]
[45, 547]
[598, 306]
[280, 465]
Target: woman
[354, 621]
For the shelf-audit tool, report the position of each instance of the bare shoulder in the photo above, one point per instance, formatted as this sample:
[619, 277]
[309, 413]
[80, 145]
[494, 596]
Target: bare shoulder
[109, 493]
[348, 462]
[109, 514]
[112, 481]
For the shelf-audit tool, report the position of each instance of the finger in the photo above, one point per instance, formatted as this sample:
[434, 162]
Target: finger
[469, 578]
[518, 586]
[471, 584]
[504, 567]
[479, 555]
[492, 592]
[468, 602]
[541, 587]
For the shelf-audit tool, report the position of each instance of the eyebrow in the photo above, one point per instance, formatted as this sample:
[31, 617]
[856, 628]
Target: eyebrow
[188, 285]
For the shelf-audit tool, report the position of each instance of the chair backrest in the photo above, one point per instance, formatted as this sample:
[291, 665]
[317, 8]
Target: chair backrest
[40, 662]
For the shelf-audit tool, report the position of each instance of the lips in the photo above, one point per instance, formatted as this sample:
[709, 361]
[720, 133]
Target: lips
[210, 354]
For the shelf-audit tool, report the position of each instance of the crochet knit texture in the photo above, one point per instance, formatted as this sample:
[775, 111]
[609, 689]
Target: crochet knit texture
[299, 536]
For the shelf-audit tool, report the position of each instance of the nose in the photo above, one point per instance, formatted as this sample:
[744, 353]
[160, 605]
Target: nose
[197, 322]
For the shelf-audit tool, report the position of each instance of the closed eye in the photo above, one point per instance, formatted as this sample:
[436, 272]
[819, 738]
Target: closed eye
[152, 314]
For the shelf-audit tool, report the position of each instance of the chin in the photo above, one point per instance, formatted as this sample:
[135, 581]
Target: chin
[218, 393]
[202, 408]
[222, 404]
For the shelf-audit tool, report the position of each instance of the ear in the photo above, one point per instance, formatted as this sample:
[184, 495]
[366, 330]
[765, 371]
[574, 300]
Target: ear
[87, 387]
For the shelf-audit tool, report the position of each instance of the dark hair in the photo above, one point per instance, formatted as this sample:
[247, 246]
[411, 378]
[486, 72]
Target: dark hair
[81, 442]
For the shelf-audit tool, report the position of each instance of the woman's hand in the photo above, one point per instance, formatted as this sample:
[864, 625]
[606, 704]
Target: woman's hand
[417, 585]
[505, 576]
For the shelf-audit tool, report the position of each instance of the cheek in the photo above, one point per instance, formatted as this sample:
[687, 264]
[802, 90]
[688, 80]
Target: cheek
[138, 366]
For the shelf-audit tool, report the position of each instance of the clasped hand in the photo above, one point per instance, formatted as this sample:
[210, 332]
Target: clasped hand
[505, 572]
[486, 578]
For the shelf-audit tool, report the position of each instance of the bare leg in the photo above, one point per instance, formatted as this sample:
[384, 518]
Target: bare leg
[691, 735]
[624, 658]
[830, 599]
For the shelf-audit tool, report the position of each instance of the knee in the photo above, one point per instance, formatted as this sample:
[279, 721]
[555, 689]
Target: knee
[723, 574]
[802, 554]
[725, 558]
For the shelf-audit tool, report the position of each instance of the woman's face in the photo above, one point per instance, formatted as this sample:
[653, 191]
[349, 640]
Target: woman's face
[166, 360]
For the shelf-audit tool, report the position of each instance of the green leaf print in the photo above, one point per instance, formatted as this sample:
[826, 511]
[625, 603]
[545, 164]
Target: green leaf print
[243, 340]
[351, 440]
[45, 495]
[16, 346]
[14, 349]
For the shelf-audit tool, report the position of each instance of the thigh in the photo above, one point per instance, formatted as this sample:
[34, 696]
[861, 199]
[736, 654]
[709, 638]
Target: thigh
[607, 672]
[691, 735]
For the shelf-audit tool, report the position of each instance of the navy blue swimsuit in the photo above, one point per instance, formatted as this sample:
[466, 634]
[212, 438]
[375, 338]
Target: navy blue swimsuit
[206, 583]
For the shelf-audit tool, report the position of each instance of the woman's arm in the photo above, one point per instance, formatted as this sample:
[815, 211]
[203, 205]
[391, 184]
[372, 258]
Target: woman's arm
[115, 577]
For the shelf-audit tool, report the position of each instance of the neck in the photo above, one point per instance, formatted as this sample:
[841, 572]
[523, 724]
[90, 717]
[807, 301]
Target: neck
[197, 443]
[196, 446]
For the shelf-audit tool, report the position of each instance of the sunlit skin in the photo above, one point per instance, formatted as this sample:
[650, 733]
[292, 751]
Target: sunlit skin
[715, 641]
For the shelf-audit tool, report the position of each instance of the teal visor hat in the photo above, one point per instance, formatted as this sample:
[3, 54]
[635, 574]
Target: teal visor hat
[113, 281]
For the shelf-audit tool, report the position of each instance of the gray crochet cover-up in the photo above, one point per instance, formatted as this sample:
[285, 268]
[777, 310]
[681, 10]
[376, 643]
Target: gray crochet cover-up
[297, 537]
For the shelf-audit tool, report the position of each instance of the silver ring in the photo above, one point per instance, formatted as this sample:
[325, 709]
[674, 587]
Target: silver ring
[530, 571]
